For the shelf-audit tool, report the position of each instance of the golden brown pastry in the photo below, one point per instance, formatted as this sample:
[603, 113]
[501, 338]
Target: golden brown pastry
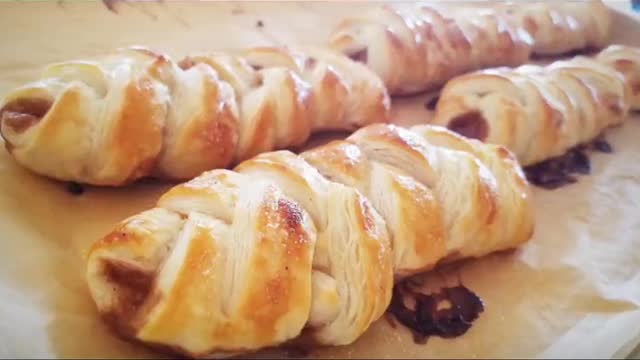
[418, 47]
[626, 60]
[540, 112]
[558, 27]
[137, 113]
[289, 246]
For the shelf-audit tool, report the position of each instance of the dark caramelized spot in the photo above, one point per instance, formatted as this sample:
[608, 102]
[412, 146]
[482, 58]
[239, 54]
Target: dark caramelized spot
[259, 24]
[75, 189]
[559, 171]
[471, 124]
[291, 213]
[21, 114]
[448, 313]
[292, 220]
[186, 63]
[602, 145]
[360, 55]
[578, 162]
[431, 104]
[556, 172]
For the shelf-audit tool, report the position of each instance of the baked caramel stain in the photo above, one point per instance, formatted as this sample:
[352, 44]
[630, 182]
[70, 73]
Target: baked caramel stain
[75, 189]
[559, 171]
[448, 313]
[601, 145]
[297, 351]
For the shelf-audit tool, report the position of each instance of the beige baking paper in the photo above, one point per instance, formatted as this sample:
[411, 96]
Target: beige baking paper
[573, 291]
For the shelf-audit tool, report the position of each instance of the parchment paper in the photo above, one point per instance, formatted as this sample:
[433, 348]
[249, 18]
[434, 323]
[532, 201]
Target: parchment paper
[573, 291]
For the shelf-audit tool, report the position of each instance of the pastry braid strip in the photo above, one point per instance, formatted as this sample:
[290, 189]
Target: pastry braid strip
[541, 112]
[305, 245]
[137, 113]
[418, 47]
[559, 27]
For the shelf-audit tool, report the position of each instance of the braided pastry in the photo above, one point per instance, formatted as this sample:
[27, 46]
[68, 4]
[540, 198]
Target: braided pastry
[419, 47]
[137, 113]
[626, 60]
[559, 27]
[288, 245]
[540, 112]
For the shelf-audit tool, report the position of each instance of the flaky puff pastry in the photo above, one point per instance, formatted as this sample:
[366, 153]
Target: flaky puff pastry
[626, 60]
[418, 47]
[559, 27]
[305, 246]
[540, 112]
[137, 113]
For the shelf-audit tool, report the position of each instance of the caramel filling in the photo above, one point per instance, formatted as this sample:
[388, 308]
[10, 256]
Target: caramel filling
[134, 284]
[21, 114]
[471, 124]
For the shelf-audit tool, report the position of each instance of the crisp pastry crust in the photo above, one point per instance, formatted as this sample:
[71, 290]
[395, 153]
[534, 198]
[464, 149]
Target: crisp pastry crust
[288, 246]
[626, 60]
[541, 112]
[418, 47]
[137, 113]
[558, 27]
